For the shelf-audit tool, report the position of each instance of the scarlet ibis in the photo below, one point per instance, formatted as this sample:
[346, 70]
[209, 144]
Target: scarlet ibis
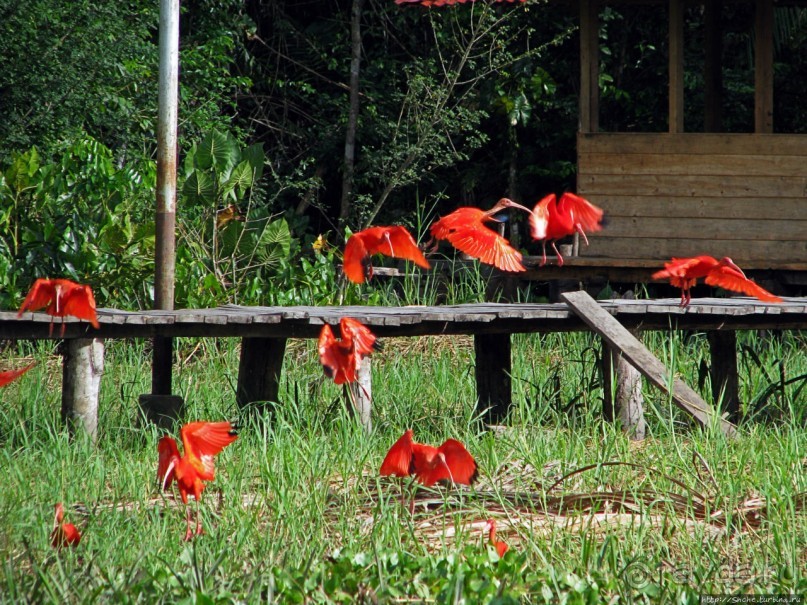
[389, 241]
[9, 375]
[429, 464]
[552, 220]
[340, 358]
[63, 534]
[201, 441]
[500, 546]
[61, 297]
[684, 273]
[465, 229]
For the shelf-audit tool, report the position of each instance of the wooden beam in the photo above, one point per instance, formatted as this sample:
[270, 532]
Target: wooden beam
[82, 368]
[713, 67]
[676, 66]
[363, 394]
[493, 384]
[763, 66]
[259, 369]
[618, 337]
[589, 66]
[725, 382]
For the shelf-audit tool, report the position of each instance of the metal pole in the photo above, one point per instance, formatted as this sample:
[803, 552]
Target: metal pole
[166, 188]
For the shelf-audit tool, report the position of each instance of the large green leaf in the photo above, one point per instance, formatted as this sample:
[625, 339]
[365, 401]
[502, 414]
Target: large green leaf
[240, 180]
[256, 157]
[218, 151]
[274, 243]
[200, 188]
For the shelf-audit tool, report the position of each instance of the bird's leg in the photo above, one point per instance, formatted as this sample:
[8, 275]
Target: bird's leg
[543, 248]
[199, 530]
[50, 328]
[188, 532]
[579, 229]
[560, 258]
[64, 325]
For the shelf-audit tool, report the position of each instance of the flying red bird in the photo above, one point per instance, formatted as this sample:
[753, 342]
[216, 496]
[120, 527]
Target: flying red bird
[684, 273]
[340, 357]
[500, 546]
[396, 242]
[60, 298]
[552, 220]
[465, 229]
[201, 442]
[428, 464]
[10, 375]
[63, 534]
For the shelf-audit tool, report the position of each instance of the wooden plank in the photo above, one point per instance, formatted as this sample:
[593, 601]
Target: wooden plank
[492, 370]
[676, 66]
[642, 227]
[749, 254]
[729, 165]
[643, 360]
[589, 66]
[591, 185]
[725, 381]
[763, 66]
[695, 143]
[259, 370]
[703, 207]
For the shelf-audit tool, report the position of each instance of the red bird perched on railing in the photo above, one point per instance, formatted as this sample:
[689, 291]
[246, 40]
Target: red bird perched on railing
[465, 229]
[63, 534]
[428, 464]
[500, 546]
[341, 357]
[684, 273]
[60, 298]
[396, 242]
[552, 220]
[201, 441]
[10, 375]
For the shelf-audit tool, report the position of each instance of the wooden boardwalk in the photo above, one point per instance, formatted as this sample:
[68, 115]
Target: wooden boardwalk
[265, 330]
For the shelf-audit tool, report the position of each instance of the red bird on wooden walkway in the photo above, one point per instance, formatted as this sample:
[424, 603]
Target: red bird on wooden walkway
[428, 464]
[500, 546]
[340, 358]
[396, 242]
[60, 298]
[63, 534]
[10, 375]
[684, 273]
[552, 220]
[465, 229]
[201, 441]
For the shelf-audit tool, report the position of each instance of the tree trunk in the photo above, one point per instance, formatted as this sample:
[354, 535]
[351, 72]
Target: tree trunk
[353, 115]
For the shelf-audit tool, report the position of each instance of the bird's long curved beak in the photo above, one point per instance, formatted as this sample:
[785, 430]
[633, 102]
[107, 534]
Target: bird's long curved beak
[168, 473]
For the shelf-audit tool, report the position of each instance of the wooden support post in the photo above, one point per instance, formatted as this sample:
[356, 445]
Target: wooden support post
[643, 360]
[713, 67]
[82, 368]
[493, 384]
[725, 382]
[676, 66]
[763, 67]
[589, 66]
[259, 369]
[363, 394]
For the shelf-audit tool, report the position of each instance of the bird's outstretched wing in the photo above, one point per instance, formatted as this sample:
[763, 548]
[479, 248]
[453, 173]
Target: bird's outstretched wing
[10, 375]
[204, 440]
[79, 302]
[41, 294]
[399, 460]
[488, 246]
[731, 279]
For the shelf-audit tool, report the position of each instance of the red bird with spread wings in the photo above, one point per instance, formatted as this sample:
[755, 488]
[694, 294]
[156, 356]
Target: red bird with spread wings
[63, 534]
[465, 229]
[201, 441]
[500, 546]
[10, 375]
[552, 220]
[684, 273]
[396, 242]
[340, 357]
[428, 464]
[60, 298]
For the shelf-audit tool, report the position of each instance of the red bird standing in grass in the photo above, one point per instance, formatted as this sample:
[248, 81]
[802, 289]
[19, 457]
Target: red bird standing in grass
[60, 298]
[396, 242]
[684, 273]
[10, 375]
[465, 229]
[63, 534]
[340, 358]
[500, 546]
[201, 441]
[428, 464]
[552, 220]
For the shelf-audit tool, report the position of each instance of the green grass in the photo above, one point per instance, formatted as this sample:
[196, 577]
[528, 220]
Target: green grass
[297, 512]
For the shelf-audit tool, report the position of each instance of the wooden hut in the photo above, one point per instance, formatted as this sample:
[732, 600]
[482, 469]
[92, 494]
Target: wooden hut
[680, 193]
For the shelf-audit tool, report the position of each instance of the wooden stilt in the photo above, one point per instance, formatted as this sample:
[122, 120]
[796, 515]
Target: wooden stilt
[259, 370]
[725, 382]
[493, 384]
[82, 368]
[363, 394]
